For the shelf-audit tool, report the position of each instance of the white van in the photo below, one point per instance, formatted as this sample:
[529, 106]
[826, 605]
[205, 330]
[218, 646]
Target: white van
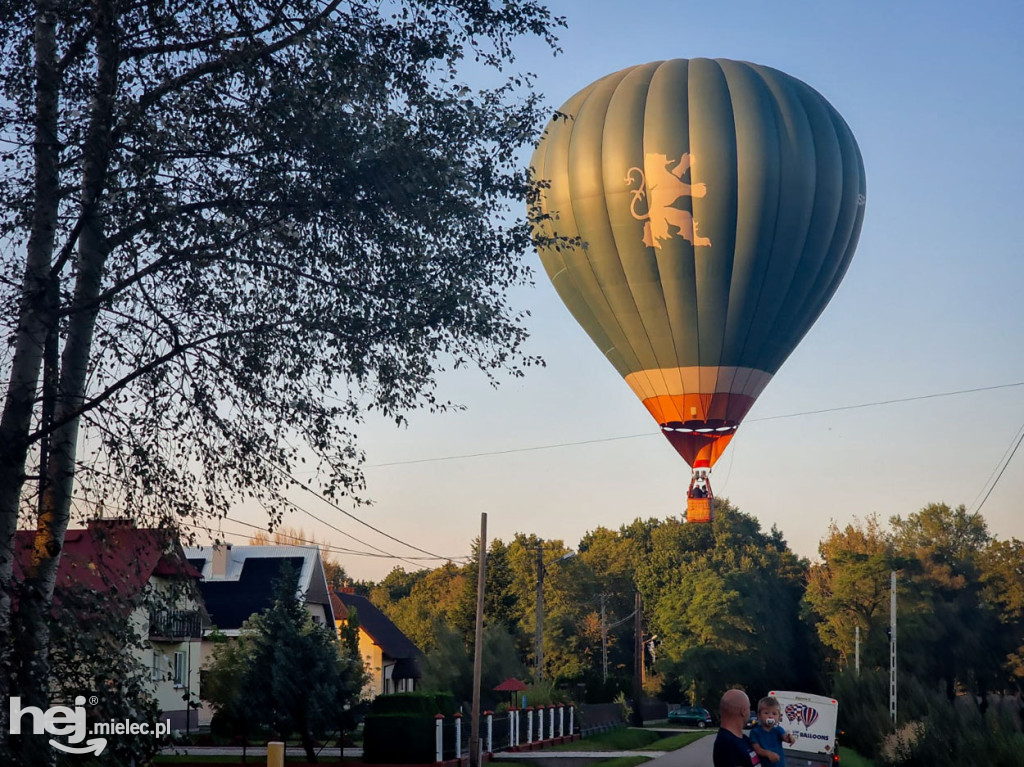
[811, 720]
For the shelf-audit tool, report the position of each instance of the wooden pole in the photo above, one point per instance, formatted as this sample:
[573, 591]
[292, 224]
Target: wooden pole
[478, 646]
[638, 665]
[539, 631]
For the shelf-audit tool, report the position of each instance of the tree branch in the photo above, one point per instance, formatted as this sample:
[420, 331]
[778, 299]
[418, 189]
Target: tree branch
[228, 61]
[149, 367]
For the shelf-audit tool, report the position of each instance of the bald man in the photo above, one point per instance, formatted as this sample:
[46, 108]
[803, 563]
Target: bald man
[732, 747]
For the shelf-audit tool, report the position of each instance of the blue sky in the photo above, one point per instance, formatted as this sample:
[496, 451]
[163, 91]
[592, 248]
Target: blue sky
[932, 303]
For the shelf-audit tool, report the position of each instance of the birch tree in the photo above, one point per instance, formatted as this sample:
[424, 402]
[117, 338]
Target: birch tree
[227, 230]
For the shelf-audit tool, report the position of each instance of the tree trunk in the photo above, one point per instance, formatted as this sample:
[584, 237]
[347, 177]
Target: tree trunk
[309, 745]
[36, 319]
[33, 636]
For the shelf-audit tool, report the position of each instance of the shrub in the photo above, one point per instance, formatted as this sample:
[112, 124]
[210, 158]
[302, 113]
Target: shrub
[399, 739]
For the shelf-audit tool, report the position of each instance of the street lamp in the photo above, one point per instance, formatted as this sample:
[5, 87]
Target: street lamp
[539, 640]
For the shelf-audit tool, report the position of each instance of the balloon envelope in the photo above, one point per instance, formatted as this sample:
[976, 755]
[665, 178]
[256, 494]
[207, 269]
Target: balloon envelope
[696, 216]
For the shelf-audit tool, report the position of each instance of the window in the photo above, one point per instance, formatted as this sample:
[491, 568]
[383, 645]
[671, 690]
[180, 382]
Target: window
[156, 673]
[180, 669]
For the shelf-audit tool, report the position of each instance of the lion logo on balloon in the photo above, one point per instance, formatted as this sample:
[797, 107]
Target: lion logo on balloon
[663, 189]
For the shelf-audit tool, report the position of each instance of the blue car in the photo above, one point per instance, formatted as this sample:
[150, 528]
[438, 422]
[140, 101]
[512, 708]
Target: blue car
[691, 716]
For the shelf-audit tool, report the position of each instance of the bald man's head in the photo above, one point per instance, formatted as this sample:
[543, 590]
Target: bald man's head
[734, 703]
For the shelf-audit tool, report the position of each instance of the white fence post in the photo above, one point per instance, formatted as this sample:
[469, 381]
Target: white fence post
[490, 732]
[551, 721]
[561, 720]
[529, 724]
[572, 710]
[540, 723]
[438, 737]
[458, 736]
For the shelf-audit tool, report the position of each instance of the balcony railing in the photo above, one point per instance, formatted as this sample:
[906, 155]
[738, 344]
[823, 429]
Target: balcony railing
[175, 624]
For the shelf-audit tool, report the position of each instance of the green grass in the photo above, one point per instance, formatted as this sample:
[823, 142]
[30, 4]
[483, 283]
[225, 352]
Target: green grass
[672, 742]
[850, 758]
[620, 739]
[628, 739]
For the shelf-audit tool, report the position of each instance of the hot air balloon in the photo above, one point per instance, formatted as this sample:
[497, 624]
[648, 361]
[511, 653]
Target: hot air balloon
[696, 216]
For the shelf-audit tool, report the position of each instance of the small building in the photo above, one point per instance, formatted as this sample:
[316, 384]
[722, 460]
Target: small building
[390, 658]
[238, 582]
[154, 584]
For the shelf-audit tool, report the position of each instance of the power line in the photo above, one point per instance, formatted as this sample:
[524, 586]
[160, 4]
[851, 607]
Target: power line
[654, 434]
[339, 530]
[348, 514]
[1005, 464]
[888, 402]
[323, 545]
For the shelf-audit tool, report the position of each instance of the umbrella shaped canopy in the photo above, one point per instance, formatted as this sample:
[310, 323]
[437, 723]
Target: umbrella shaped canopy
[510, 685]
[513, 687]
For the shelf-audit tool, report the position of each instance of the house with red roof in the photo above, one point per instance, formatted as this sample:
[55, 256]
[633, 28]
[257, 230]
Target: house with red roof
[146, 573]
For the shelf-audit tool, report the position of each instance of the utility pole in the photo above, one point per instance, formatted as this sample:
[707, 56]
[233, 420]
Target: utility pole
[856, 649]
[539, 636]
[892, 647]
[538, 650]
[638, 663]
[604, 642]
[478, 646]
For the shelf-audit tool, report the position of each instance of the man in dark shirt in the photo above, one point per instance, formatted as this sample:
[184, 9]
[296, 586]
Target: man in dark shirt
[732, 748]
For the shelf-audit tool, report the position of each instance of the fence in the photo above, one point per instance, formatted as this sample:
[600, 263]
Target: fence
[510, 730]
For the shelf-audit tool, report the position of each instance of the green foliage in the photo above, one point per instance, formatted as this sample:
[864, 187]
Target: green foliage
[435, 597]
[850, 758]
[425, 704]
[932, 729]
[673, 742]
[545, 693]
[448, 666]
[732, 605]
[399, 739]
[863, 708]
[99, 657]
[850, 587]
[214, 217]
[401, 728]
[714, 594]
[618, 739]
[959, 593]
[285, 672]
[96, 641]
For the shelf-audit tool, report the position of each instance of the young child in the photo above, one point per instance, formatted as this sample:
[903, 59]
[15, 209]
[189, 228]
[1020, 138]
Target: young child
[768, 736]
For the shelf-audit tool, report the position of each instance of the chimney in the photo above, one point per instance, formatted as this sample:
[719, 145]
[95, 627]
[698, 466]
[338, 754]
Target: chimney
[219, 563]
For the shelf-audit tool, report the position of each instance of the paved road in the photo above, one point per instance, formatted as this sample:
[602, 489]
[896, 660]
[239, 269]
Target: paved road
[697, 754]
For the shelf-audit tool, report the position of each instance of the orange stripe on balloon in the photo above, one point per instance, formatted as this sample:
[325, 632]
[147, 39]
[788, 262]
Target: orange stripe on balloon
[684, 408]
